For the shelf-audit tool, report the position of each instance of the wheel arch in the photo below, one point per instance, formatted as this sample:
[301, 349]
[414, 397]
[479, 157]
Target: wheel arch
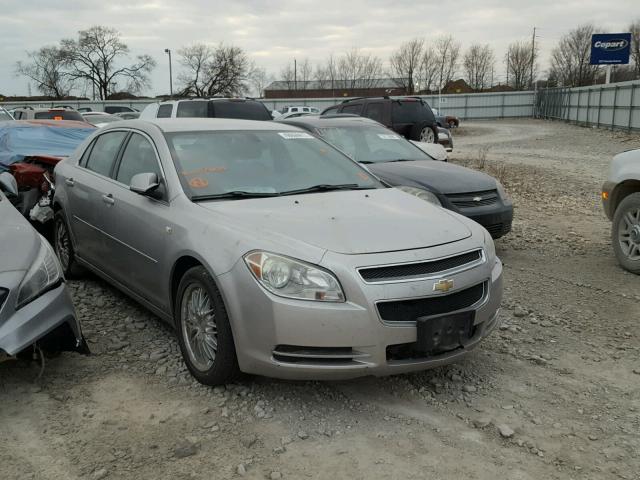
[623, 190]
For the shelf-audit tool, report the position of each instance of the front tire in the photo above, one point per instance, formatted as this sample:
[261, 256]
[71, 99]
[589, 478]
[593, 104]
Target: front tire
[625, 233]
[63, 246]
[204, 331]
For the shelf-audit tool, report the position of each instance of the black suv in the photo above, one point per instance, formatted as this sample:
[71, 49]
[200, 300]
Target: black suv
[411, 117]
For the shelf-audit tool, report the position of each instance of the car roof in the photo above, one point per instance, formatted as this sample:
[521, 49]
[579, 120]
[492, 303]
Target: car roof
[52, 123]
[169, 125]
[319, 121]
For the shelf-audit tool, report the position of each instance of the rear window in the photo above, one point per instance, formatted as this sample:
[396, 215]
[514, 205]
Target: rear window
[352, 109]
[239, 109]
[58, 115]
[411, 112]
[164, 111]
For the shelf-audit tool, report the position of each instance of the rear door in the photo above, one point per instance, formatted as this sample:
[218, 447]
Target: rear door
[136, 225]
[352, 108]
[88, 202]
[375, 111]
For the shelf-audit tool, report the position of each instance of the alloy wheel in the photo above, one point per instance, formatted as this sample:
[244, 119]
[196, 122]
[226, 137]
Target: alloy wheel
[426, 135]
[629, 234]
[63, 244]
[199, 328]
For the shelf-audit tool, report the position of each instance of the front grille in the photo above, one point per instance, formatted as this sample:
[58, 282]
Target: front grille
[410, 271]
[4, 293]
[410, 310]
[473, 199]
[316, 355]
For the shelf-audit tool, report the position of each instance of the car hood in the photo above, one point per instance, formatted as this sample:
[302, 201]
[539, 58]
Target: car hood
[347, 222]
[16, 232]
[439, 176]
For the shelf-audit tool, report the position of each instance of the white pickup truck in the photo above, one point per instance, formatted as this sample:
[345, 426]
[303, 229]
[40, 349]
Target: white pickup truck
[621, 203]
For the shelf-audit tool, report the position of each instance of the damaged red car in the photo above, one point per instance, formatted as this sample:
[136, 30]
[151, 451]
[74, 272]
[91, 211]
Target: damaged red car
[29, 150]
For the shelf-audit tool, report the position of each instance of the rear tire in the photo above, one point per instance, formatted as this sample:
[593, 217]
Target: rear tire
[625, 233]
[204, 331]
[424, 133]
[63, 246]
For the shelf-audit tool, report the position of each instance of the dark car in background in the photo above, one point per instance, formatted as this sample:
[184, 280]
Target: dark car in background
[118, 109]
[446, 121]
[411, 117]
[401, 164]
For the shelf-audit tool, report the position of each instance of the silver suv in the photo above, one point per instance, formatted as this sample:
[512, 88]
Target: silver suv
[621, 203]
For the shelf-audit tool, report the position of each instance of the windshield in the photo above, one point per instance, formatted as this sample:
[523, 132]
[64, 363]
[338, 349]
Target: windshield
[372, 144]
[4, 115]
[261, 163]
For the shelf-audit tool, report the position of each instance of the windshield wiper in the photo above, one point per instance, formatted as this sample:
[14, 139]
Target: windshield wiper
[233, 194]
[324, 187]
[400, 160]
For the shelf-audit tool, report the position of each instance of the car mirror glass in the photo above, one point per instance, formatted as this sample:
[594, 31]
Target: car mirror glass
[8, 184]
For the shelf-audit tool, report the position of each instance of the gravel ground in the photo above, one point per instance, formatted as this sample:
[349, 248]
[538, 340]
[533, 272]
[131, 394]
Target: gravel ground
[553, 393]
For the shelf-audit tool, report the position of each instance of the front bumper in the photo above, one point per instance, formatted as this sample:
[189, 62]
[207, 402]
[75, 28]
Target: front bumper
[302, 340]
[49, 320]
[607, 204]
[496, 218]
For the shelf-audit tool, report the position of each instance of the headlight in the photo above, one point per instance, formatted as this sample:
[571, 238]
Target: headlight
[489, 246]
[44, 273]
[291, 278]
[503, 193]
[425, 195]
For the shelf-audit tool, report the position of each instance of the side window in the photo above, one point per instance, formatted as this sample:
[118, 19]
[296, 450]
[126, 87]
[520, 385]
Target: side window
[85, 155]
[164, 111]
[139, 157]
[331, 110]
[193, 108]
[104, 152]
[374, 111]
[353, 109]
[17, 115]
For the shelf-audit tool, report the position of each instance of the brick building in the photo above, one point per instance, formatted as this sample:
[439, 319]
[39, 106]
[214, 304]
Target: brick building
[338, 88]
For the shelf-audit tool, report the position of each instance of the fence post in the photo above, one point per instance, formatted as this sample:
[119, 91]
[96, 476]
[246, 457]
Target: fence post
[502, 105]
[588, 103]
[466, 99]
[615, 101]
[578, 108]
[633, 91]
[599, 106]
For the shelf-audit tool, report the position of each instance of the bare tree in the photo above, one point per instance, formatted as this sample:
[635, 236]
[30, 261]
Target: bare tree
[45, 68]
[518, 61]
[95, 57]
[358, 70]
[304, 73]
[288, 75]
[406, 63]
[210, 71]
[477, 62]
[447, 51]
[429, 69]
[570, 59]
[634, 28]
[259, 79]
[326, 73]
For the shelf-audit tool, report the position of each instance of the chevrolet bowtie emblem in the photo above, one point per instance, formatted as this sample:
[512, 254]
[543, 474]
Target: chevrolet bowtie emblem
[477, 199]
[443, 285]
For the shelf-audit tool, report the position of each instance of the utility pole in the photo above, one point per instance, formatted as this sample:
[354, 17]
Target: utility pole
[168, 51]
[533, 54]
[508, 65]
[295, 74]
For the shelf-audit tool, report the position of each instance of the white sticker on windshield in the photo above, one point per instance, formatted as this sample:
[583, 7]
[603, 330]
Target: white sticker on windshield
[294, 135]
[388, 136]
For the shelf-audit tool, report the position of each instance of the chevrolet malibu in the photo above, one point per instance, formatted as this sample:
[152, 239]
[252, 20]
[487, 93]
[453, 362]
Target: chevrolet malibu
[273, 253]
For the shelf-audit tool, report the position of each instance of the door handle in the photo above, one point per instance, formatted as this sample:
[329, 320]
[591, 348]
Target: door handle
[69, 181]
[108, 199]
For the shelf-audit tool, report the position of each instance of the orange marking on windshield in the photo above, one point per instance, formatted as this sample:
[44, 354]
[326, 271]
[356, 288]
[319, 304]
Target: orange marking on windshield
[205, 170]
[363, 175]
[198, 182]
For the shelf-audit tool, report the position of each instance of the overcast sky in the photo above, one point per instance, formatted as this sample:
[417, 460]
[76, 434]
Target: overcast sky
[274, 32]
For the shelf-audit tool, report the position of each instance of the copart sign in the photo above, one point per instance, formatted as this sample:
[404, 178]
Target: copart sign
[610, 48]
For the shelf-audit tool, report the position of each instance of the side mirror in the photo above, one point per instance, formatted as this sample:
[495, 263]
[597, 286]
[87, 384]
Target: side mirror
[8, 184]
[144, 184]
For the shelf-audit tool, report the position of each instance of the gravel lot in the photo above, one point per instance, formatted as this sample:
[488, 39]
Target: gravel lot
[554, 393]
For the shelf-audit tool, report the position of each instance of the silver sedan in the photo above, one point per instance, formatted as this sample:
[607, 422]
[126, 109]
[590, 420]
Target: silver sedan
[273, 253]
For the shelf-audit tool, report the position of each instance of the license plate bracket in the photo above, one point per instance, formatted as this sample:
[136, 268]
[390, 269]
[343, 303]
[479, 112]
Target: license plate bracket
[444, 332]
